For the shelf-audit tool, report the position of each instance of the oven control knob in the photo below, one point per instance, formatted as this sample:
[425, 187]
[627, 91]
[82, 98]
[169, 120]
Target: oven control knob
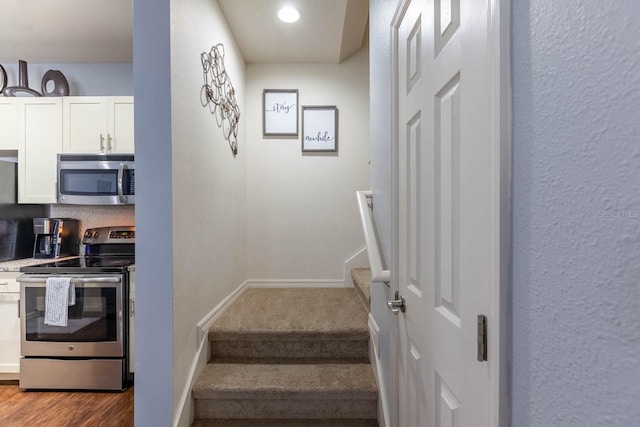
[71, 347]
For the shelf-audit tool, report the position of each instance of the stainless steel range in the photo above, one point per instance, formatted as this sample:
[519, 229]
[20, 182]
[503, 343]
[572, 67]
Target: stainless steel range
[84, 345]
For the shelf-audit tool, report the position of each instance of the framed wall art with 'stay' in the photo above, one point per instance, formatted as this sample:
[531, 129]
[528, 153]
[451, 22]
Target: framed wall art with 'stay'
[280, 113]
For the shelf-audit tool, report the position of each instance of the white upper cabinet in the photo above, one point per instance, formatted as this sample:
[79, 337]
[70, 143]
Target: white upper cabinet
[98, 124]
[8, 123]
[39, 142]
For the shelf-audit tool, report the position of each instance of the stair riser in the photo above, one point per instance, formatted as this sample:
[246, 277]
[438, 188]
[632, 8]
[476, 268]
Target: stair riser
[291, 351]
[289, 409]
[285, 423]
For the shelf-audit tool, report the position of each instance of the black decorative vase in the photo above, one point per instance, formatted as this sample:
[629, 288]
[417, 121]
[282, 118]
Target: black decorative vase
[23, 83]
[61, 85]
[3, 78]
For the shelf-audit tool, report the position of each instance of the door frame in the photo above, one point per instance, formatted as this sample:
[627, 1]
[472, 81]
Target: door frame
[499, 340]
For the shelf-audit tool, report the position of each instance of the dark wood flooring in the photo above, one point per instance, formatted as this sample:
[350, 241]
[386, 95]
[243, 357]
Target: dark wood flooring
[64, 409]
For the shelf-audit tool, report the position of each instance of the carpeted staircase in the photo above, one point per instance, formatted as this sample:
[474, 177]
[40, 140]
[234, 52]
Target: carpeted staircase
[289, 357]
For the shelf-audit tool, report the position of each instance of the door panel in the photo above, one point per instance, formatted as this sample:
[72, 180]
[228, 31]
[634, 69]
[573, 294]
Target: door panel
[447, 406]
[447, 200]
[444, 202]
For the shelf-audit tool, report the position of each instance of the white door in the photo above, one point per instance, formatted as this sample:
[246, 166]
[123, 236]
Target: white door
[447, 188]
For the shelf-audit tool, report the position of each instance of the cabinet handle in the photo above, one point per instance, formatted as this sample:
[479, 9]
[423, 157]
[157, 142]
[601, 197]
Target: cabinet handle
[101, 143]
[4, 283]
[109, 139]
[18, 309]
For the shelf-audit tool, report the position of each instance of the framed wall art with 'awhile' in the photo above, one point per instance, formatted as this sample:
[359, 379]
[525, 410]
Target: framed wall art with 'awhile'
[319, 128]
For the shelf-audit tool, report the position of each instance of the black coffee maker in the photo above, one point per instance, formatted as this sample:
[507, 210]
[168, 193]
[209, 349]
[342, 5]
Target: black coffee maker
[55, 237]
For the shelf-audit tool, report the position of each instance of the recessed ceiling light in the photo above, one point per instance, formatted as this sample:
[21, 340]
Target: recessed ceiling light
[289, 14]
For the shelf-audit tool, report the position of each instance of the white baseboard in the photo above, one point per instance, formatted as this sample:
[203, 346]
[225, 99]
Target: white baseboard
[185, 414]
[374, 357]
[359, 260]
[204, 325]
[303, 283]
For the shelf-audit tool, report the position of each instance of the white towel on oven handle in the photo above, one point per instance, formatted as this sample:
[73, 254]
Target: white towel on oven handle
[59, 294]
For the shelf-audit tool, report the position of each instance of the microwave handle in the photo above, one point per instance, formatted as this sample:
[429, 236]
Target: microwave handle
[121, 197]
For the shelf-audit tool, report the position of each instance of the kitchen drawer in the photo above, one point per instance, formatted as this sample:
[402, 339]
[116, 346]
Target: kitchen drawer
[8, 282]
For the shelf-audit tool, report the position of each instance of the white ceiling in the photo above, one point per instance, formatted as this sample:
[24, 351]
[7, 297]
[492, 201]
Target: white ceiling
[328, 31]
[60, 31]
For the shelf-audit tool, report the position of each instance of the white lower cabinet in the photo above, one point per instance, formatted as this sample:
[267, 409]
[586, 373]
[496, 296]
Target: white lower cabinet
[9, 326]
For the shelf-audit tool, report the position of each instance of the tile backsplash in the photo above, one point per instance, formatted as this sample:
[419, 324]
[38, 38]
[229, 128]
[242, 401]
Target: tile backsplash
[94, 216]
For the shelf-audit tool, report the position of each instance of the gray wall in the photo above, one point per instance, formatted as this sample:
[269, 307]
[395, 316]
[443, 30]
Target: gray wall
[576, 213]
[85, 79]
[154, 247]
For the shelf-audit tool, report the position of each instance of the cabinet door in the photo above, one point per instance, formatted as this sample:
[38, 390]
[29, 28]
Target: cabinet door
[84, 124]
[39, 142]
[121, 124]
[9, 334]
[10, 326]
[8, 123]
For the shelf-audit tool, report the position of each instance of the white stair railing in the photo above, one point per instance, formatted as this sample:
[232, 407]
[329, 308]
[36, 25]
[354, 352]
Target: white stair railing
[378, 273]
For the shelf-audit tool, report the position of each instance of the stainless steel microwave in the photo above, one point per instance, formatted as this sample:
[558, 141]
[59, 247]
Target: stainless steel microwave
[96, 179]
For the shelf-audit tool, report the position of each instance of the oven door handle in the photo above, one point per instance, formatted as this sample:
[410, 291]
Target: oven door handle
[76, 281]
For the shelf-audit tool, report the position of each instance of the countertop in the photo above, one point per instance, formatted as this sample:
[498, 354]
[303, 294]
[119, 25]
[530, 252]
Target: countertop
[15, 265]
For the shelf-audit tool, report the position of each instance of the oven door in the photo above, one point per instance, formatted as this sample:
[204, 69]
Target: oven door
[95, 322]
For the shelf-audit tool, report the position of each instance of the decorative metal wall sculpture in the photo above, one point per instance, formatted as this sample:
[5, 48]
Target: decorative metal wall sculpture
[218, 93]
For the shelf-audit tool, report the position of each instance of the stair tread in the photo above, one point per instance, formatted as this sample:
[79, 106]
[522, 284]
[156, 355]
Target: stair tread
[282, 423]
[293, 313]
[262, 381]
